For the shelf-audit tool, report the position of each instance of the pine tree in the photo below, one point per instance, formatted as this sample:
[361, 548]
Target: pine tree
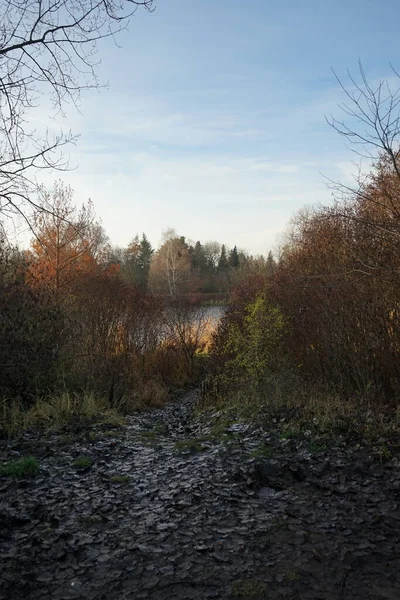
[198, 258]
[270, 265]
[223, 261]
[145, 256]
[234, 258]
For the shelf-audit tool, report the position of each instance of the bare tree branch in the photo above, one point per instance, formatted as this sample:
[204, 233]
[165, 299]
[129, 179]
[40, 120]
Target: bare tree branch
[48, 48]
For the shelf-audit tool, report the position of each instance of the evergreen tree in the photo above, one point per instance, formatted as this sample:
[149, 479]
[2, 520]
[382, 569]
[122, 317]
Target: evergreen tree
[223, 261]
[234, 258]
[137, 261]
[270, 265]
[145, 256]
[198, 258]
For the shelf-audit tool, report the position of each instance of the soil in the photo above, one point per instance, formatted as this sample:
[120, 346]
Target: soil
[170, 510]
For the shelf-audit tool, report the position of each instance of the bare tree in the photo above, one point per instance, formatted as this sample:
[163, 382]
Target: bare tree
[370, 126]
[374, 114]
[170, 267]
[212, 251]
[186, 325]
[48, 49]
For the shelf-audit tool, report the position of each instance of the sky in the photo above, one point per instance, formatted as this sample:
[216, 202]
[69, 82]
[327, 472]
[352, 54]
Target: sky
[213, 121]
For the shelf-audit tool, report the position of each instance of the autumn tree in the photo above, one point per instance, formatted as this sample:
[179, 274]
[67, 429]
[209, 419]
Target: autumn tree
[32, 332]
[130, 269]
[48, 48]
[68, 241]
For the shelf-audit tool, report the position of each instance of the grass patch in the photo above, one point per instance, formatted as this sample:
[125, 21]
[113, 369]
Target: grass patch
[192, 445]
[220, 430]
[298, 410]
[120, 479]
[24, 467]
[66, 440]
[83, 462]
[112, 418]
[111, 433]
[316, 446]
[384, 452]
[149, 435]
[57, 412]
[248, 589]
[291, 433]
[264, 450]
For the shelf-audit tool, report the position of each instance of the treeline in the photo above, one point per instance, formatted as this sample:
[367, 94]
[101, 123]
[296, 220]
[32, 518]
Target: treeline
[180, 266]
[67, 240]
[329, 316]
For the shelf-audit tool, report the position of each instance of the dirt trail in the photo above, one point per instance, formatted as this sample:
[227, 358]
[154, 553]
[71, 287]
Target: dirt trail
[169, 510]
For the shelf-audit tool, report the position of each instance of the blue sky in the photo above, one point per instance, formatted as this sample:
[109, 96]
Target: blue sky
[214, 119]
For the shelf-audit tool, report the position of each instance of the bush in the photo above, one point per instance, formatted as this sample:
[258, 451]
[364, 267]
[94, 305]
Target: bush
[32, 329]
[253, 346]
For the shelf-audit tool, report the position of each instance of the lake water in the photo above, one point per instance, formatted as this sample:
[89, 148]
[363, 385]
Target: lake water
[214, 313]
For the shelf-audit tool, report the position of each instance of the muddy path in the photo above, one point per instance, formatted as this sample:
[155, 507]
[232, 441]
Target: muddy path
[173, 506]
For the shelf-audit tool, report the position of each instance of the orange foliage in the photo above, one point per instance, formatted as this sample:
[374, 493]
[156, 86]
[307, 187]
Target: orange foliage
[68, 242]
[339, 282]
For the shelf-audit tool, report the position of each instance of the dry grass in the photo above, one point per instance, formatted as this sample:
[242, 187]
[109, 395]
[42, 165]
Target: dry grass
[65, 409]
[151, 395]
[295, 407]
[69, 409]
[55, 412]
